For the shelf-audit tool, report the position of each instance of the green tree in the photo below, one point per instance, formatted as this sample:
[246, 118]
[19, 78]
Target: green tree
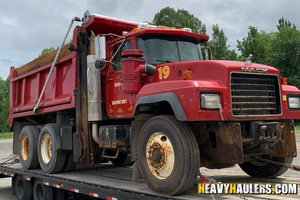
[45, 51]
[4, 103]
[286, 50]
[284, 23]
[178, 19]
[48, 50]
[247, 45]
[259, 44]
[219, 46]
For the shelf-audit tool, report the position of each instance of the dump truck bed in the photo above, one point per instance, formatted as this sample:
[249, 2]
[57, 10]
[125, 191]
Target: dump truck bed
[28, 80]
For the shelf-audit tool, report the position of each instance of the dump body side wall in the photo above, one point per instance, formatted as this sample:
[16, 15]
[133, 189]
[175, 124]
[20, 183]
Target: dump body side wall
[25, 89]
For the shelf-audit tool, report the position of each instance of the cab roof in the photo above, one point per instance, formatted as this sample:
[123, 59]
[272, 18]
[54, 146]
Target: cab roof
[103, 25]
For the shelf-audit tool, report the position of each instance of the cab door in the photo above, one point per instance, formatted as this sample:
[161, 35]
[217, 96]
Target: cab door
[118, 104]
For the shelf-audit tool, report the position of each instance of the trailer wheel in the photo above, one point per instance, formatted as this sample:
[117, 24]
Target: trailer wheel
[28, 151]
[59, 194]
[41, 192]
[261, 169]
[51, 157]
[123, 159]
[168, 155]
[23, 188]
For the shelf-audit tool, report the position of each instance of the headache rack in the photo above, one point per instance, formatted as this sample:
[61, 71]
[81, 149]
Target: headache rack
[255, 94]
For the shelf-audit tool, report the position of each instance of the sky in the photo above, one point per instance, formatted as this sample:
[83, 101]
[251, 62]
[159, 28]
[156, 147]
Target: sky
[27, 27]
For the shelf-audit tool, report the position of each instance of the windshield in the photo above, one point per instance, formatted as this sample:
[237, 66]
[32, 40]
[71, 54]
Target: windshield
[159, 49]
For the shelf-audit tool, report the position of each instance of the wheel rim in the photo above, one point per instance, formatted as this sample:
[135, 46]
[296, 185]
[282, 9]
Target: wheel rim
[160, 155]
[24, 147]
[46, 148]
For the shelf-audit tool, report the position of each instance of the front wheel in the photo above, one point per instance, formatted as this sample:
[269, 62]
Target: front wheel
[168, 155]
[264, 169]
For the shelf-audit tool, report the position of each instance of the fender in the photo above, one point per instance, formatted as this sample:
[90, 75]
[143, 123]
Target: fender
[169, 97]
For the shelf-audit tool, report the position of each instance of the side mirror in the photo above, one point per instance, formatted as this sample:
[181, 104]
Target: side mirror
[100, 52]
[100, 47]
[99, 64]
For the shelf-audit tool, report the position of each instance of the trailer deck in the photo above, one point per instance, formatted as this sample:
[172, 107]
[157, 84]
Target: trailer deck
[104, 181]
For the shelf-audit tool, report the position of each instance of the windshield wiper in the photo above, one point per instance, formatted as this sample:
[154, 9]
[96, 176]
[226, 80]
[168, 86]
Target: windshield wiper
[164, 61]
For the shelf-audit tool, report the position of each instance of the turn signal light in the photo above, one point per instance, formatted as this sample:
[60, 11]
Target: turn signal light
[284, 81]
[135, 29]
[187, 75]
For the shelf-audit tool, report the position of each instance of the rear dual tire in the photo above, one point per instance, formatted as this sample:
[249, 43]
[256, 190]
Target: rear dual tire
[28, 147]
[51, 157]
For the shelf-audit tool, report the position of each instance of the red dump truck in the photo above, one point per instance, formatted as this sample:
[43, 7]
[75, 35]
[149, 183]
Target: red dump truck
[143, 95]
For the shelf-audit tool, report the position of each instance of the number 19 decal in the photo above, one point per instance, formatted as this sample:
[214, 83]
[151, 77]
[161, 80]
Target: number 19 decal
[164, 72]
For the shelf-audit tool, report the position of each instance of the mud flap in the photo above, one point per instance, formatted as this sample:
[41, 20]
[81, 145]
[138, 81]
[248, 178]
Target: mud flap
[136, 173]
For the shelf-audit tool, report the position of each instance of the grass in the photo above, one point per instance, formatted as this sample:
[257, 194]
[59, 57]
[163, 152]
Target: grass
[5, 136]
[297, 129]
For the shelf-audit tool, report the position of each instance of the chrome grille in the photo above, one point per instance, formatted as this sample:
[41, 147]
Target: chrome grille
[254, 94]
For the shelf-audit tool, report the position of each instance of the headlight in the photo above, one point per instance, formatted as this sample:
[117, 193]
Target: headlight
[210, 101]
[294, 102]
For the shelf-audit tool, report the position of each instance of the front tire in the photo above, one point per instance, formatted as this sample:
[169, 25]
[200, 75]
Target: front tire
[51, 157]
[168, 155]
[262, 169]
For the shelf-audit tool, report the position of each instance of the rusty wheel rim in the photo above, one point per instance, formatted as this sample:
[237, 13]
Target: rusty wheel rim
[24, 147]
[46, 148]
[160, 155]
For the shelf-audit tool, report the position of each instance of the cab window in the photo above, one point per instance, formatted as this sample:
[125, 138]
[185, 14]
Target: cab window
[117, 59]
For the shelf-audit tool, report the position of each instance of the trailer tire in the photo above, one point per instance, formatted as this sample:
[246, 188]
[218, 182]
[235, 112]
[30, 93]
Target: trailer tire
[261, 169]
[69, 164]
[59, 194]
[28, 147]
[51, 157]
[23, 188]
[168, 155]
[123, 159]
[41, 192]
